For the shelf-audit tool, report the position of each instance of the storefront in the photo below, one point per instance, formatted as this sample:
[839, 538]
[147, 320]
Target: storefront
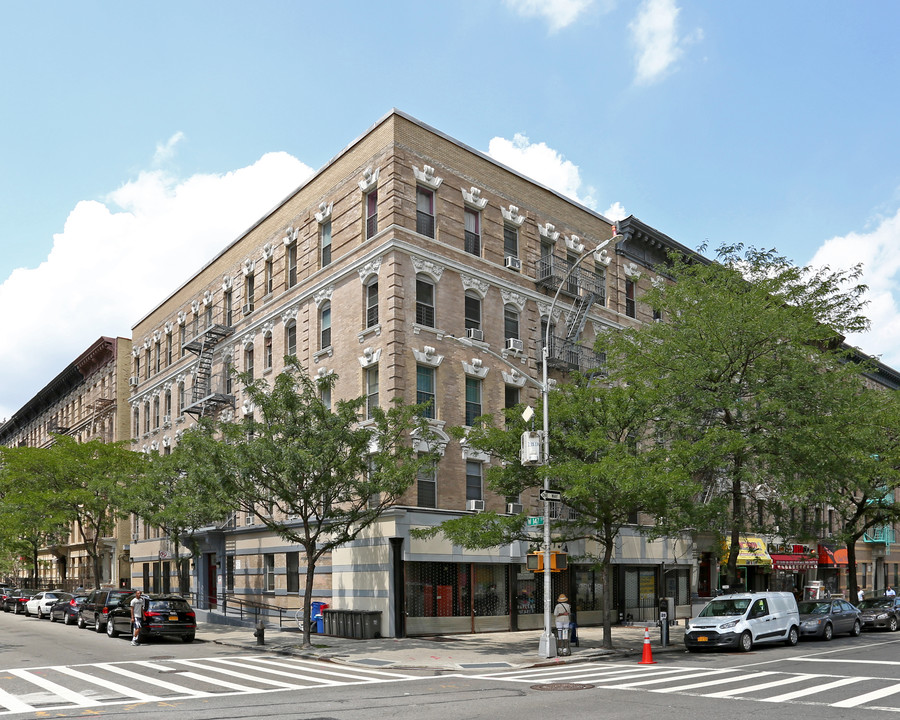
[754, 564]
[792, 567]
[832, 564]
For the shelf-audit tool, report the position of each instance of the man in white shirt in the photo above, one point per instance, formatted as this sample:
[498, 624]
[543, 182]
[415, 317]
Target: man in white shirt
[890, 592]
[137, 616]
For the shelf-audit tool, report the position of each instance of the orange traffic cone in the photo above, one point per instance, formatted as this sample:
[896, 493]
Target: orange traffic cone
[647, 657]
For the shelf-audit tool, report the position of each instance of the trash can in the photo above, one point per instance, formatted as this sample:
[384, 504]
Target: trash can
[370, 621]
[355, 624]
[328, 617]
[318, 620]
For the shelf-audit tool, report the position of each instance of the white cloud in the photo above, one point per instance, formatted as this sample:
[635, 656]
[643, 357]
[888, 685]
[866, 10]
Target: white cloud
[558, 13]
[615, 212]
[543, 164]
[116, 260]
[165, 151]
[877, 251]
[654, 32]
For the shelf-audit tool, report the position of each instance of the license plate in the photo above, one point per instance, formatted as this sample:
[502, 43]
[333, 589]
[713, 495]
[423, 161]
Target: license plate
[173, 618]
[702, 638]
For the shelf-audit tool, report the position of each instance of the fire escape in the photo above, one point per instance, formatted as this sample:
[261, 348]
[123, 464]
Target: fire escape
[585, 287]
[207, 335]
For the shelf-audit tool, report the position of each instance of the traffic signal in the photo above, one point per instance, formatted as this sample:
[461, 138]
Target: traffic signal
[559, 561]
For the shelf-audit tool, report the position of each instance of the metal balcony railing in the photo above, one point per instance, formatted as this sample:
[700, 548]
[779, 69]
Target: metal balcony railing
[883, 534]
[569, 356]
[424, 224]
[549, 272]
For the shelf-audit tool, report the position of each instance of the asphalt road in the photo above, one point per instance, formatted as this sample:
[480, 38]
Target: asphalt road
[47, 670]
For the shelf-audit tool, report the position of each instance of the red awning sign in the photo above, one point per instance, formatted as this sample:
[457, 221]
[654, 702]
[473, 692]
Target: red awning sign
[796, 563]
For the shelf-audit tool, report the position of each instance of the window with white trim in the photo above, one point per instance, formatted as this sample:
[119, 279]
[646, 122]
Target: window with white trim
[425, 212]
[474, 480]
[426, 486]
[473, 399]
[510, 322]
[290, 338]
[510, 241]
[325, 242]
[371, 214]
[425, 390]
[372, 303]
[291, 264]
[325, 326]
[371, 390]
[424, 301]
[473, 232]
[267, 351]
[472, 311]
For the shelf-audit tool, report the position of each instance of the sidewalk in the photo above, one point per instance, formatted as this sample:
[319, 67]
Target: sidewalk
[446, 652]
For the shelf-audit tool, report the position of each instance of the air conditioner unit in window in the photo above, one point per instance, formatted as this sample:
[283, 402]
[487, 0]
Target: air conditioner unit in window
[167, 419]
[133, 380]
[514, 508]
[514, 345]
[513, 263]
[475, 334]
[248, 308]
[476, 505]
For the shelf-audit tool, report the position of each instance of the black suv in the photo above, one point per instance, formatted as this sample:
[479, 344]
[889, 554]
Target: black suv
[94, 611]
[165, 615]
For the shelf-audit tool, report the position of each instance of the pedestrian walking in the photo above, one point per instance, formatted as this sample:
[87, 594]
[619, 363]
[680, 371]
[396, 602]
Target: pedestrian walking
[860, 595]
[137, 616]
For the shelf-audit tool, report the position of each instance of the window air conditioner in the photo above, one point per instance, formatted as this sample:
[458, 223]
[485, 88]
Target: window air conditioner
[133, 380]
[513, 263]
[475, 334]
[476, 505]
[514, 508]
[514, 345]
[248, 308]
[167, 419]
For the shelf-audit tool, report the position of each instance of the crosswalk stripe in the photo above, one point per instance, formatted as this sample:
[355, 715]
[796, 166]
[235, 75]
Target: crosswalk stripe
[13, 704]
[63, 692]
[180, 689]
[721, 681]
[313, 667]
[273, 671]
[235, 674]
[867, 697]
[669, 678]
[107, 684]
[761, 686]
[222, 683]
[812, 690]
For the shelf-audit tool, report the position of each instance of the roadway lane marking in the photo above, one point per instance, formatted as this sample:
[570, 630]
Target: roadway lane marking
[63, 692]
[348, 673]
[13, 704]
[813, 690]
[235, 674]
[848, 662]
[180, 689]
[862, 699]
[721, 681]
[761, 686]
[669, 678]
[106, 684]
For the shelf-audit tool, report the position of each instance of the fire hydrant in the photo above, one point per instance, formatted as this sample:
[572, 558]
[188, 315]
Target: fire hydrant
[260, 633]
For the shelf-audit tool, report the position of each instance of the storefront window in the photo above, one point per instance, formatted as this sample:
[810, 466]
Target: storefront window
[588, 589]
[437, 590]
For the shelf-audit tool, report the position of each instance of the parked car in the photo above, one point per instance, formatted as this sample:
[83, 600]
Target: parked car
[96, 606]
[823, 618]
[743, 620]
[67, 610]
[164, 616]
[15, 601]
[40, 602]
[881, 613]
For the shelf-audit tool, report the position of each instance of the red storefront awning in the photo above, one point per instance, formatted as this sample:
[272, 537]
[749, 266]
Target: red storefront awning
[795, 563]
[829, 556]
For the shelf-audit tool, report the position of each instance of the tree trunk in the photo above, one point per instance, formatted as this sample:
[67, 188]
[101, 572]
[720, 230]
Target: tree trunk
[307, 595]
[608, 592]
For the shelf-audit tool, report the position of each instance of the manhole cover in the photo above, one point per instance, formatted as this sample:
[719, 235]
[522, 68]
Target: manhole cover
[562, 686]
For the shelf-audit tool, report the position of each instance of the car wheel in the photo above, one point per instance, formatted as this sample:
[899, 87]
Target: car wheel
[40, 613]
[52, 619]
[81, 623]
[857, 629]
[188, 638]
[98, 626]
[110, 630]
[68, 619]
[17, 609]
[28, 612]
[892, 625]
[793, 637]
[746, 642]
[828, 633]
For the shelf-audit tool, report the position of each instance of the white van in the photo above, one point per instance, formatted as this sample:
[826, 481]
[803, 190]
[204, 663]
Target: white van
[743, 620]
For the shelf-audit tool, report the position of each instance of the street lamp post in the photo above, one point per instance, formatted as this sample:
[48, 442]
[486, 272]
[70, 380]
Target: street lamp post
[547, 647]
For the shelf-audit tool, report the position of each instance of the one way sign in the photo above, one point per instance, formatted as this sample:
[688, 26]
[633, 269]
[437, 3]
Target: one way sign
[551, 495]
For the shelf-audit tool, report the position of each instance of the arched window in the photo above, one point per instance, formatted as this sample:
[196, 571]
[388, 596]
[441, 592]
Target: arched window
[424, 301]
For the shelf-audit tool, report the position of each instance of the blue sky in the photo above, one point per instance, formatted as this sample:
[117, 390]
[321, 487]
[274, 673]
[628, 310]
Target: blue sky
[140, 139]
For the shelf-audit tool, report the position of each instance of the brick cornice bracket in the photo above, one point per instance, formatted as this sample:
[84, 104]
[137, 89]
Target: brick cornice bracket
[248, 267]
[428, 356]
[475, 369]
[369, 269]
[472, 198]
[370, 179]
[514, 378]
[195, 307]
[290, 314]
[471, 283]
[513, 298]
[324, 212]
[632, 271]
[573, 243]
[290, 236]
[323, 295]
[268, 250]
[182, 317]
[207, 298]
[544, 310]
[433, 270]
[370, 357]
[427, 177]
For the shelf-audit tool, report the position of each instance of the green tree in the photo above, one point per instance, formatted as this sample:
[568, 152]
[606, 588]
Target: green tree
[315, 476]
[84, 484]
[747, 347]
[180, 493]
[604, 458]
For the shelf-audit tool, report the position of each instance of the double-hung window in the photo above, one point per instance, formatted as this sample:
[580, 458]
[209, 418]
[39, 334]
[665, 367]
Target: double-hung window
[372, 304]
[472, 311]
[510, 322]
[325, 326]
[371, 214]
[424, 302]
[267, 351]
[473, 232]
[510, 242]
[325, 242]
[292, 265]
[249, 292]
[248, 361]
[630, 307]
[269, 572]
[270, 276]
[371, 390]
[473, 480]
[426, 482]
[425, 212]
[473, 399]
[290, 338]
[425, 390]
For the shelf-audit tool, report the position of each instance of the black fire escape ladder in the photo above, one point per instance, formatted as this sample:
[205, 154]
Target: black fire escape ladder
[202, 374]
[577, 319]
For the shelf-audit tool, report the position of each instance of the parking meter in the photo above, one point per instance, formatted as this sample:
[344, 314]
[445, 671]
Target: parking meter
[664, 622]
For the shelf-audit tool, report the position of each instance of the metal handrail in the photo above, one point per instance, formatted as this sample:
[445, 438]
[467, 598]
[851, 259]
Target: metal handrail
[253, 608]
